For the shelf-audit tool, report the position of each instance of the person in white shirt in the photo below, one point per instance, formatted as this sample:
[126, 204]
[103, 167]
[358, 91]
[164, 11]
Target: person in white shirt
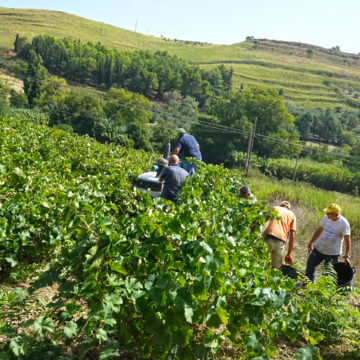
[326, 243]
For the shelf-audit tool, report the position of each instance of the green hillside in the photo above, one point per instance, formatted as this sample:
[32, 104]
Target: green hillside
[308, 75]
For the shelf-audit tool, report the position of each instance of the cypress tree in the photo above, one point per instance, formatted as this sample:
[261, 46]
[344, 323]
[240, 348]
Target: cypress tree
[36, 73]
[16, 43]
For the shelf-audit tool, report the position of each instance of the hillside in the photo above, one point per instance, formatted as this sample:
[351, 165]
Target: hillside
[307, 75]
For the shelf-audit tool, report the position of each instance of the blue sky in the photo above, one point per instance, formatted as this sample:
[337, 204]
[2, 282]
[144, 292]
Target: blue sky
[325, 23]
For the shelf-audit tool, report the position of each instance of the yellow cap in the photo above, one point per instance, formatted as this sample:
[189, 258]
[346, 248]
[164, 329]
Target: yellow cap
[333, 208]
[286, 204]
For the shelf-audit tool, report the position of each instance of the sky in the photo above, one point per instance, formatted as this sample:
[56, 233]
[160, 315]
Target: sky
[325, 23]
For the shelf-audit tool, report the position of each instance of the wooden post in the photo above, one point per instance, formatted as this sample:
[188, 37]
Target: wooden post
[250, 146]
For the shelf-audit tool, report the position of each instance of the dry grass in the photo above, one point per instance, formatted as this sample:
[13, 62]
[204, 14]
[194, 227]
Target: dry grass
[13, 82]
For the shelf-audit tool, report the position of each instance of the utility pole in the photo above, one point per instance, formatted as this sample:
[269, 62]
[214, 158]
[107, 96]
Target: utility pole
[135, 25]
[249, 150]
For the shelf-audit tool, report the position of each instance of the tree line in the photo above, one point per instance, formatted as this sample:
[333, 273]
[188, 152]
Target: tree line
[326, 125]
[128, 118]
[117, 115]
[143, 72]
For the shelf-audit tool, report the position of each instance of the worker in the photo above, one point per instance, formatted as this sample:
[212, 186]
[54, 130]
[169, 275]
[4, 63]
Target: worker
[276, 234]
[173, 176]
[326, 243]
[245, 193]
[187, 146]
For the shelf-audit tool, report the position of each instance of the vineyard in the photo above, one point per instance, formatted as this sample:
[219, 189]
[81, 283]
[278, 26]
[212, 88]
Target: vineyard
[136, 278]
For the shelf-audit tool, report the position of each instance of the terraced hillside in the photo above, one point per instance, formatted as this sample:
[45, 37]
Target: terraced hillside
[306, 75]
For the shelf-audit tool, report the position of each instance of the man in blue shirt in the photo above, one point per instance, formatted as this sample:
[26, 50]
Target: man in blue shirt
[188, 146]
[174, 176]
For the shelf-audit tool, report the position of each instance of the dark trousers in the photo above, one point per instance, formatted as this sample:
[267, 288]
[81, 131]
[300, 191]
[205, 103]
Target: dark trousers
[189, 167]
[315, 258]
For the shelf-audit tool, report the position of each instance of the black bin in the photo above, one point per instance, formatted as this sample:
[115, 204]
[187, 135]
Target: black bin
[345, 274]
[294, 274]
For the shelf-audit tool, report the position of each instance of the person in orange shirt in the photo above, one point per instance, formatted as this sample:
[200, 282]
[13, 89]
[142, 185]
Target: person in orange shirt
[276, 234]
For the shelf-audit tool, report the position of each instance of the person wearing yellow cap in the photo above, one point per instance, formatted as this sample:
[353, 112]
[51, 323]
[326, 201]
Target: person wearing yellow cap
[187, 146]
[326, 243]
[276, 234]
